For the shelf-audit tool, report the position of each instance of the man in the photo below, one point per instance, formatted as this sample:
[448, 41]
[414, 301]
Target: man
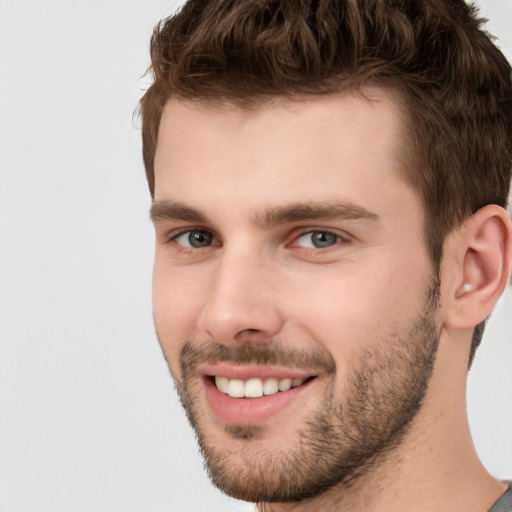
[329, 183]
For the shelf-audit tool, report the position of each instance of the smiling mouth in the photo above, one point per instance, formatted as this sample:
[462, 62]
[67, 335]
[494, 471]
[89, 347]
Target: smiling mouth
[252, 395]
[255, 387]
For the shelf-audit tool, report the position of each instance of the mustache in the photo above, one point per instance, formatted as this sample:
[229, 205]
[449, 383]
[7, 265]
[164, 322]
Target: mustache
[271, 353]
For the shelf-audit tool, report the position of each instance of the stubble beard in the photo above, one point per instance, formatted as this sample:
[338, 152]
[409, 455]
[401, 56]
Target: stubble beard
[350, 432]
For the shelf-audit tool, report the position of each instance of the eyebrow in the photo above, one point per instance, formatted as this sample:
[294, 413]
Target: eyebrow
[166, 210]
[315, 211]
[295, 212]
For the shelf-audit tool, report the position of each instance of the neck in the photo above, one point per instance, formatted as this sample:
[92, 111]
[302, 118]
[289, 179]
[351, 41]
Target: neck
[435, 467]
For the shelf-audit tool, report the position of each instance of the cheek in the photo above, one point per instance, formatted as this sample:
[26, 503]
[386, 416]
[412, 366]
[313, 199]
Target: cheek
[175, 308]
[357, 309]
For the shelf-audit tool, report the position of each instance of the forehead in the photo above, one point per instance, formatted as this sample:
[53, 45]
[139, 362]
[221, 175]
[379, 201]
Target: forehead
[294, 147]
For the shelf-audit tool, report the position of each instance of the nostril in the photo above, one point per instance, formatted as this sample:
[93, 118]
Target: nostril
[229, 319]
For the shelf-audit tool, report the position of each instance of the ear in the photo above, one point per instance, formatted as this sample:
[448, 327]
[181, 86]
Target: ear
[480, 261]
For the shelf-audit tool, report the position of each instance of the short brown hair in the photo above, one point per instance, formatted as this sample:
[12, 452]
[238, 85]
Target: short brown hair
[453, 82]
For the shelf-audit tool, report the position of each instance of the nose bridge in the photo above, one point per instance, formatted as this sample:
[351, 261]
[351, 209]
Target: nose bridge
[241, 299]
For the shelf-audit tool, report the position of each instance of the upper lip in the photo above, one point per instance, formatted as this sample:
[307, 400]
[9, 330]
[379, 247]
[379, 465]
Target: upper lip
[246, 372]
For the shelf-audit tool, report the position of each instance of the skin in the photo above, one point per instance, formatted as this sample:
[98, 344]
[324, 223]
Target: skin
[234, 174]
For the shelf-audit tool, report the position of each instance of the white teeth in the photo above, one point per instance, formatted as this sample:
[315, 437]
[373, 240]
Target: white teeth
[255, 388]
[270, 387]
[222, 384]
[285, 384]
[236, 388]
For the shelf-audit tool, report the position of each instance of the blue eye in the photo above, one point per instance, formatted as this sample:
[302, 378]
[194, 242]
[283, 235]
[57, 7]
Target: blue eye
[195, 239]
[318, 240]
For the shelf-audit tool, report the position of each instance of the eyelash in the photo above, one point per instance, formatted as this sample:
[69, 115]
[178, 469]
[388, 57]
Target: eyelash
[340, 239]
[174, 237]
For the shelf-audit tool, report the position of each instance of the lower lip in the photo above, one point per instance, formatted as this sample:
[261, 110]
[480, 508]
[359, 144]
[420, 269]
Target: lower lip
[250, 411]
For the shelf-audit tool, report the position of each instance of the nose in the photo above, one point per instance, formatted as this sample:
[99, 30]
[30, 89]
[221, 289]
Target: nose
[242, 302]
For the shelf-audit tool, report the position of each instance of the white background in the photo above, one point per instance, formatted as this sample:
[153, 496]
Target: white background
[88, 417]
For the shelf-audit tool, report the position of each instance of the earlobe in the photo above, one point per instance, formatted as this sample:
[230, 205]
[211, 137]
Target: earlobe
[485, 253]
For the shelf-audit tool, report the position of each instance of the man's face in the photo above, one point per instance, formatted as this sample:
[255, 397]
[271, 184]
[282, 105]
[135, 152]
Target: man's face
[293, 295]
